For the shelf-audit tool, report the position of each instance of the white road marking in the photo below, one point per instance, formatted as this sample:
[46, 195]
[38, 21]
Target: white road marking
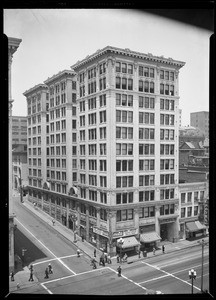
[47, 248]
[46, 288]
[157, 268]
[129, 279]
[178, 260]
[183, 270]
[51, 259]
[69, 276]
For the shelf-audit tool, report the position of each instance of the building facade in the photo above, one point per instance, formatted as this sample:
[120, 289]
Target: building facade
[121, 164]
[13, 45]
[19, 130]
[200, 120]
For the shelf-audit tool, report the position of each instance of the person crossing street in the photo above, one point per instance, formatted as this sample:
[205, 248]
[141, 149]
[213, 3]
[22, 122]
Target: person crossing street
[50, 269]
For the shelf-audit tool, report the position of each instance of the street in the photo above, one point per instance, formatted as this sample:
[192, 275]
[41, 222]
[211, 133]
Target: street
[167, 273]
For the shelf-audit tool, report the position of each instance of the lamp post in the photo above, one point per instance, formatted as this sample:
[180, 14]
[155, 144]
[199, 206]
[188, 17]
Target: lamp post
[120, 242]
[192, 276]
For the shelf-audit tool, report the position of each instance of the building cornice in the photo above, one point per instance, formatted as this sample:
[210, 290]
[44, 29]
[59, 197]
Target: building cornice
[59, 75]
[35, 89]
[127, 52]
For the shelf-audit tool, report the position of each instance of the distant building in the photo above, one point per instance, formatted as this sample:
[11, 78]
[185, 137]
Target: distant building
[200, 120]
[20, 168]
[192, 153]
[19, 130]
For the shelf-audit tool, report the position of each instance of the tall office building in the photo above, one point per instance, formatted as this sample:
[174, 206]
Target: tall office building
[200, 120]
[120, 170]
[19, 131]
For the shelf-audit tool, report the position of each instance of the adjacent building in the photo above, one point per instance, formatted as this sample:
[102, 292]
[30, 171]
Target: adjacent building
[200, 120]
[103, 157]
[19, 131]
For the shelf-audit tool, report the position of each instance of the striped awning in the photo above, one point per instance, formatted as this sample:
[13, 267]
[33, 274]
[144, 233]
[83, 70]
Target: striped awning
[195, 226]
[149, 237]
[128, 242]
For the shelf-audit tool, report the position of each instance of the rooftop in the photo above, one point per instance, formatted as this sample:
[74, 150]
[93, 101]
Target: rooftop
[127, 52]
[58, 75]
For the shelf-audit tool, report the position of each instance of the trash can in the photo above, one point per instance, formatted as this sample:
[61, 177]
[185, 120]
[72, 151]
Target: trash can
[144, 253]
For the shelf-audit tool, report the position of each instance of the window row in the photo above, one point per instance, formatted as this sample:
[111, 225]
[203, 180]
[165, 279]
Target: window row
[146, 86]
[146, 102]
[59, 125]
[146, 118]
[167, 149]
[167, 179]
[124, 149]
[166, 89]
[146, 165]
[123, 198]
[146, 133]
[124, 100]
[146, 180]
[167, 119]
[124, 181]
[167, 209]
[167, 75]
[167, 104]
[124, 132]
[124, 215]
[167, 164]
[146, 149]
[166, 194]
[58, 113]
[189, 210]
[167, 134]
[146, 71]
[92, 149]
[124, 165]
[147, 212]
[124, 116]
[124, 83]
[35, 172]
[146, 196]
[59, 150]
[56, 163]
[124, 67]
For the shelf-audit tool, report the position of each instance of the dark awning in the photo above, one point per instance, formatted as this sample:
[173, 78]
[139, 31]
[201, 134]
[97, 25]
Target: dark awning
[130, 241]
[195, 226]
[149, 237]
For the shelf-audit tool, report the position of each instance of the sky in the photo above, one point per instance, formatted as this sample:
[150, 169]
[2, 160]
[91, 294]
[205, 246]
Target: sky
[55, 39]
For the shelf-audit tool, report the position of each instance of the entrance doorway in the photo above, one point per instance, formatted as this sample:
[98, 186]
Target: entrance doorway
[164, 232]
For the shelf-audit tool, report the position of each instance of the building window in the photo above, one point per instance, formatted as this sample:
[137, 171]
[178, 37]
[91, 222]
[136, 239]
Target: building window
[189, 211]
[124, 215]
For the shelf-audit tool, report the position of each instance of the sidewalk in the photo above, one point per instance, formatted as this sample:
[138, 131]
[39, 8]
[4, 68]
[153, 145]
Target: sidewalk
[88, 248]
[21, 278]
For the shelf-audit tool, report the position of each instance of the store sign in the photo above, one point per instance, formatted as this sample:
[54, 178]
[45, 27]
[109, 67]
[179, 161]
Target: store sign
[164, 221]
[100, 232]
[125, 233]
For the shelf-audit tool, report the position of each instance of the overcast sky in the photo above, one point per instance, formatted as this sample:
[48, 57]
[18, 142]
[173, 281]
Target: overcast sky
[55, 39]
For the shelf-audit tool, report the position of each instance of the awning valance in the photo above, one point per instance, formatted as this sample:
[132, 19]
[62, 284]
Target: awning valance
[149, 237]
[195, 226]
[130, 241]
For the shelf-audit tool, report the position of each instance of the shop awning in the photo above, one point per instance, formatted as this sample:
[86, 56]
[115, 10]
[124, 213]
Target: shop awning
[130, 241]
[195, 226]
[149, 237]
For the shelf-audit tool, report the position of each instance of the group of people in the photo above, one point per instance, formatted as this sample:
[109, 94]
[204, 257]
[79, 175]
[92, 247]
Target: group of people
[123, 259]
[48, 270]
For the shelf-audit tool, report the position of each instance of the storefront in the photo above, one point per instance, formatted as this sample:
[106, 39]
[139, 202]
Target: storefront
[168, 228]
[149, 240]
[195, 229]
[72, 221]
[102, 238]
[127, 244]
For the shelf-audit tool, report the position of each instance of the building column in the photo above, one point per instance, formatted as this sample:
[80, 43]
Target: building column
[87, 223]
[98, 226]
[112, 228]
[157, 214]
[67, 213]
[78, 218]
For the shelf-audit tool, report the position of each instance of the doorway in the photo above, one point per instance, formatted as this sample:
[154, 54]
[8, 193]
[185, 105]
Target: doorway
[164, 232]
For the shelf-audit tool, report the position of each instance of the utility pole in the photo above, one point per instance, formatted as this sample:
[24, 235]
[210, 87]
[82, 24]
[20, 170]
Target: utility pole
[202, 243]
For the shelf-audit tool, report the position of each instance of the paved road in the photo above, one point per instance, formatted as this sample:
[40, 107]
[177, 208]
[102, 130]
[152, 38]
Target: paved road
[72, 275]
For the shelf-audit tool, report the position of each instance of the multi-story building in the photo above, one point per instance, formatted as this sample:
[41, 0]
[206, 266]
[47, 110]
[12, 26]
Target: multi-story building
[19, 130]
[200, 120]
[20, 166]
[122, 168]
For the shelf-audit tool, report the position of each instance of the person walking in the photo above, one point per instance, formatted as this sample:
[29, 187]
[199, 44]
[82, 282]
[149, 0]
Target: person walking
[117, 258]
[46, 273]
[163, 249]
[109, 259]
[53, 221]
[139, 253]
[31, 275]
[94, 252]
[105, 256]
[12, 276]
[78, 252]
[50, 269]
[119, 271]
[154, 250]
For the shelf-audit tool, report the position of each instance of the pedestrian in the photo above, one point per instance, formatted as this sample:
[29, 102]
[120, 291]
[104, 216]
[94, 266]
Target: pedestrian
[78, 252]
[153, 250]
[117, 258]
[109, 259]
[53, 221]
[12, 276]
[50, 269]
[82, 238]
[46, 273]
[105, 256]
[163, 249]
[139, 253]
[103, 262]
[94, 252]
[31, 275]
[119, 271]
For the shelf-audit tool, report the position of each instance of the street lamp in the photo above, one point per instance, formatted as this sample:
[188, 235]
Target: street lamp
[121, 242]
[192, 276]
